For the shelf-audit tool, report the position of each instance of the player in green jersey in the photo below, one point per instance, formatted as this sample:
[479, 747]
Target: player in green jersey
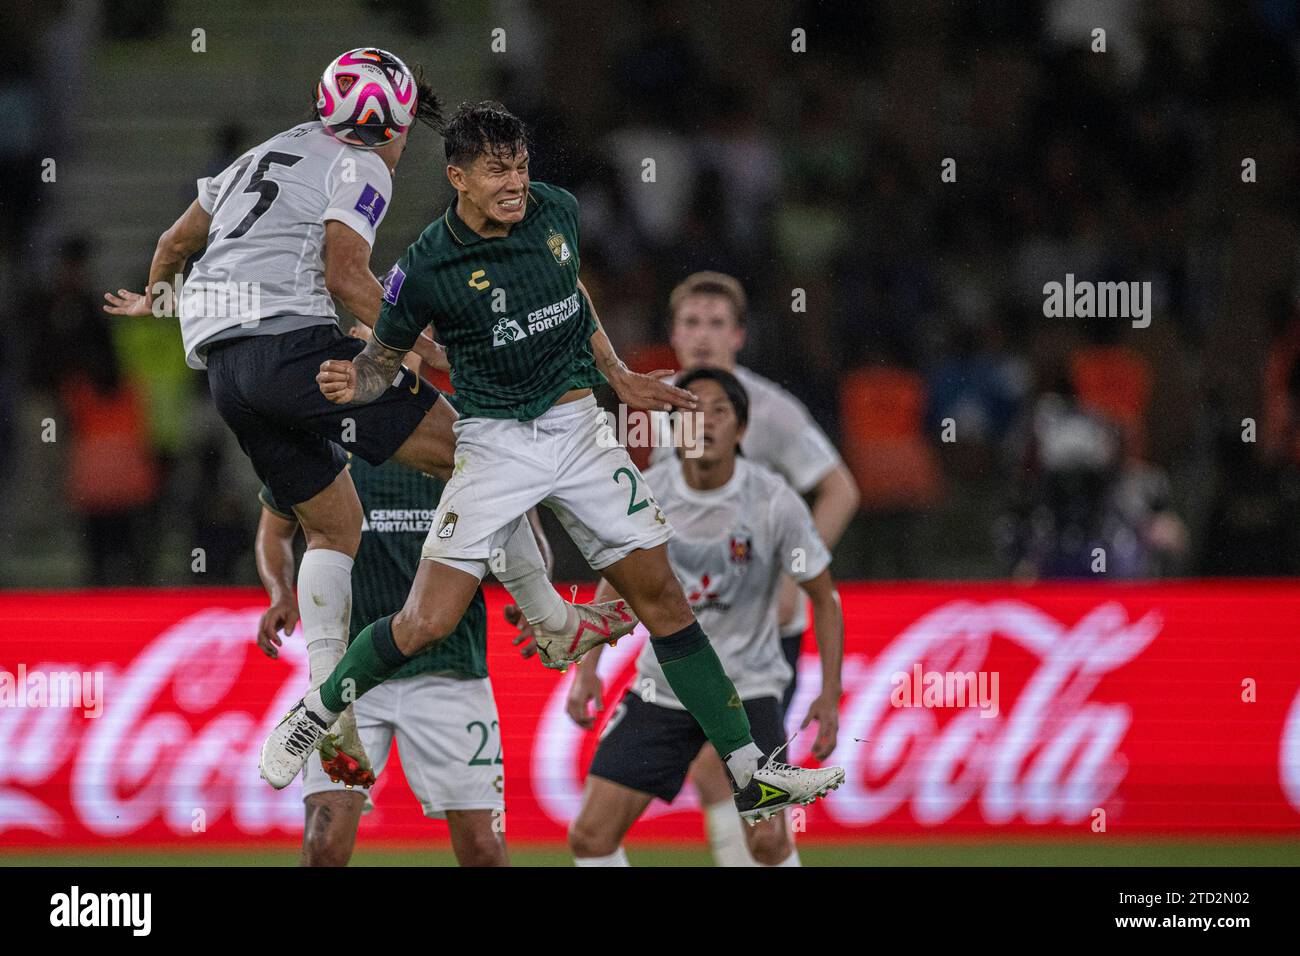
[497, 277]
[439, 707]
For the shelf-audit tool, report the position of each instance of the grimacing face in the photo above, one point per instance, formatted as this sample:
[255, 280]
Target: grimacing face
[722, 431]
[706, 332]
[495, 184]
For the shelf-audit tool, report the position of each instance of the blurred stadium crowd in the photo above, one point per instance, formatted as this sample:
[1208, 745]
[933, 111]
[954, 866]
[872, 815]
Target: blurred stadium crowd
[987, 439]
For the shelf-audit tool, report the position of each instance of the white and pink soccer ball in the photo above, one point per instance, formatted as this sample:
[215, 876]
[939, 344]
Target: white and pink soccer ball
[366, 97]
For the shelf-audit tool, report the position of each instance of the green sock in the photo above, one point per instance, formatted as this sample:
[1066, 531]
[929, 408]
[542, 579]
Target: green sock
[370, 660]
[696, 676]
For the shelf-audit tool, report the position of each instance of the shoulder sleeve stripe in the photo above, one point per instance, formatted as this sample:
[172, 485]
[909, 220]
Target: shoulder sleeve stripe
[392, 348]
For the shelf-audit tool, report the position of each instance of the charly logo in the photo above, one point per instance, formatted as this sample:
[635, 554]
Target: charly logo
[478, 280]
[559, 248]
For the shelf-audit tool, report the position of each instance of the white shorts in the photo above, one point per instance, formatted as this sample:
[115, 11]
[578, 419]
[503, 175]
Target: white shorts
[449, 737]
[566, 459]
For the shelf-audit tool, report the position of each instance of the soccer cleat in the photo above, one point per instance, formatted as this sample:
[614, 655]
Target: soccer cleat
[343, 756]
[289, 745]
[597, 624]
[777, 785]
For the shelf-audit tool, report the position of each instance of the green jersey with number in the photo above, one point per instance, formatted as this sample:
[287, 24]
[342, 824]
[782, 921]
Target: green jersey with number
[397, 505]
[508, 309]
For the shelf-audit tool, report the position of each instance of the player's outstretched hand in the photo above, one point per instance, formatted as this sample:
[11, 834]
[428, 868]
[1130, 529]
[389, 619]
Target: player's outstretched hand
[276, 618]
[337, 380]
[650, 393]
[128, 303]
[515, 618]
[585, 691]
[826, 711]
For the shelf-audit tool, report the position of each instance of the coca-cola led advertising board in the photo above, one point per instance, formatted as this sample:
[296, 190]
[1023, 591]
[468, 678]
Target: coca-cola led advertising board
[988, 710]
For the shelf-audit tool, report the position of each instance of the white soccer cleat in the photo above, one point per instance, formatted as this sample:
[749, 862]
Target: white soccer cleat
[777, 785]
[597, 624]
[285, 751]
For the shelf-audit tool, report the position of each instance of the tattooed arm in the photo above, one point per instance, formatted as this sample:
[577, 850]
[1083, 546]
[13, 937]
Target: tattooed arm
[362, 380]
[349, 279]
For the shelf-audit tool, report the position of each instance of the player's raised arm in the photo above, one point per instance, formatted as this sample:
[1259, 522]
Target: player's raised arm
[347, 272]
[349, 279]
[637, 391]
[182, 239]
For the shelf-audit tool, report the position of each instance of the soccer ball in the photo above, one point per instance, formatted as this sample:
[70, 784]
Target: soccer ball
[366, 97]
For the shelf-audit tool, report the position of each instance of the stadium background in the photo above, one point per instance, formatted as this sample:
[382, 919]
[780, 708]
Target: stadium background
[817, 171]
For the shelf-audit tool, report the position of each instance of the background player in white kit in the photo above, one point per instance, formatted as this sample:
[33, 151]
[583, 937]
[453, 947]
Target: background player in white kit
[288, 227]
[707, 312]
[740, 527]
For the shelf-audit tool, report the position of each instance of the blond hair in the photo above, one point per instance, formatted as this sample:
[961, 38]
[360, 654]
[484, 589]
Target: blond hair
[710, 283]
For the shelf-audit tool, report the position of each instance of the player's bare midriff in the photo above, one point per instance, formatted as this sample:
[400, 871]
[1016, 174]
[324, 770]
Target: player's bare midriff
[572, 395]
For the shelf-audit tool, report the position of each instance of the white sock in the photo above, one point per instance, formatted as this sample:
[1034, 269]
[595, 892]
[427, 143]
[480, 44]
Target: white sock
[791, 860]
[727, 835]
[743, 763]
[325, 606]
[317, 706]
[524, 576]
[617, 858]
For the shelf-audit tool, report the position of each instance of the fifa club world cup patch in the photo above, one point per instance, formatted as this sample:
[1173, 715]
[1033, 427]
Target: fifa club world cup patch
[371, 204]
[448, 526]
[393, 284]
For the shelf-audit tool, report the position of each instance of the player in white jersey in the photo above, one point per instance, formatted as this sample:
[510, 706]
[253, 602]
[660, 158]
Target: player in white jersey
[287, 228]
[740, 528]
[707, 311]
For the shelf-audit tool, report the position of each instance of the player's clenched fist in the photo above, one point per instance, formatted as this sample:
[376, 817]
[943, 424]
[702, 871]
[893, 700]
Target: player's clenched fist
[337, 380]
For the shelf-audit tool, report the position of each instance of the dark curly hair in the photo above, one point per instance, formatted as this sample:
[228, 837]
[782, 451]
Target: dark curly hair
[478, 129]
